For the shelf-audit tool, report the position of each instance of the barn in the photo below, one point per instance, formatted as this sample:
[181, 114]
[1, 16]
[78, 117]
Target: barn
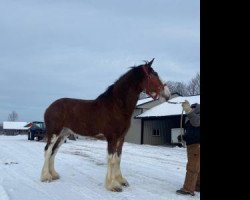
[15, 128]
[158, 123]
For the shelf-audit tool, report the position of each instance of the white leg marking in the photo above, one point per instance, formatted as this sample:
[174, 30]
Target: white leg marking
[111, 182]
[117, 172]
[45, 175]
[114, 179]
[64, 133]
[52, 170]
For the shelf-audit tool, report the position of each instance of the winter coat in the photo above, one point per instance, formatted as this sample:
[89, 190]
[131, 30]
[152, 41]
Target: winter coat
[192, 126]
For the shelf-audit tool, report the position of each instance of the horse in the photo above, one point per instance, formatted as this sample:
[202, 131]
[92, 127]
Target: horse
[109, 115]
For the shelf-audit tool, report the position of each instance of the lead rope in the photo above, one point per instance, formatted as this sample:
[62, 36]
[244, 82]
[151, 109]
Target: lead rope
[182, 130]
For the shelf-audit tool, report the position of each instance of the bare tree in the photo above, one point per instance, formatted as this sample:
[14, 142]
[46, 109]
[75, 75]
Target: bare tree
[178, 87]
[193, 87]
[13, 116]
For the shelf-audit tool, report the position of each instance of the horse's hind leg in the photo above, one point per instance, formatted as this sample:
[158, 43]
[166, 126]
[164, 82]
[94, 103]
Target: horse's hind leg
[48, 170]
[45, 175]
[64, 133]
[55, 148]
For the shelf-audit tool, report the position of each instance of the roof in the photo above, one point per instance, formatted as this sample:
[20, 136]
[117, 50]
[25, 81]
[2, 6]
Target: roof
[15, 125]
[31, 123]
[168, 108]
[143, 101]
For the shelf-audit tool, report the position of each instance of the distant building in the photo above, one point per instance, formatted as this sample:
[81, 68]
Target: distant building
[1, 129]
[15, 128]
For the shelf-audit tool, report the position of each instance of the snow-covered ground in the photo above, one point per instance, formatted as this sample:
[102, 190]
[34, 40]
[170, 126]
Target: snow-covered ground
[153, 172]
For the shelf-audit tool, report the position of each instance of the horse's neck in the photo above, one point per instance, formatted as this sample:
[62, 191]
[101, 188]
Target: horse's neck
[123, 94]
[127, 95]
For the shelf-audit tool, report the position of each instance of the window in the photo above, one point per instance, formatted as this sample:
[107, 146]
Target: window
[156, 132]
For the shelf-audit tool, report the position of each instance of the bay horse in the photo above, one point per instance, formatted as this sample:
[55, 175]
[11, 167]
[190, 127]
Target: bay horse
[109, 114]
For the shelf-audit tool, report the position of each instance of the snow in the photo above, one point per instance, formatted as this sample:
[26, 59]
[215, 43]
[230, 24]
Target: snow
[167, 109]
[154, 172]
[142, 101]
[15, 125]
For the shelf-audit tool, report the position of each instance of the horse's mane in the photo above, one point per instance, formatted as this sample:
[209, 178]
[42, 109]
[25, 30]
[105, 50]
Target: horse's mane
[107, 93]
[134, 74]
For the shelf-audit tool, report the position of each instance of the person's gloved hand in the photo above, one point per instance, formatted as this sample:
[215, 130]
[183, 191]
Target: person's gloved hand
[186, 106]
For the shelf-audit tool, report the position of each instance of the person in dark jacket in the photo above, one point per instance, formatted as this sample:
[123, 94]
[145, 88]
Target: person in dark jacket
[192, 139]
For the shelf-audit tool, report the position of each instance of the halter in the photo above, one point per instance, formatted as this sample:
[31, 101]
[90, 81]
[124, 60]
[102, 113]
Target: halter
[151, 80]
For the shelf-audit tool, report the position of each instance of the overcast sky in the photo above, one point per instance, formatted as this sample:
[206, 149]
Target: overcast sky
[76, 48]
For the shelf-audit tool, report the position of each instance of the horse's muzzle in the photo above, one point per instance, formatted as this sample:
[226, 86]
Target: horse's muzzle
[165, 93]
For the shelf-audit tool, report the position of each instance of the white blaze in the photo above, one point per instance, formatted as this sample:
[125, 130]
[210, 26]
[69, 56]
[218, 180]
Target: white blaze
[165, 92]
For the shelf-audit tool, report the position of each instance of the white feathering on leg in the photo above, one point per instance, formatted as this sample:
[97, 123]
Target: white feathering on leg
[45, 175]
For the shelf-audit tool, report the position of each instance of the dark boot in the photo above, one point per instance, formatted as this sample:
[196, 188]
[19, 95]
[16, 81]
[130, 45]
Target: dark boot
[183, 192]
[197, 187]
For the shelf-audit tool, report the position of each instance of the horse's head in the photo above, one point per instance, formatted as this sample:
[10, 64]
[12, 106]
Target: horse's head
[153, 85]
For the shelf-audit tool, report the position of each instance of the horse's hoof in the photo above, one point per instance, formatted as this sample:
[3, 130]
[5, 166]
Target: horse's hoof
[55, 176]
[117, 189]
[46, 178]
[125, 184]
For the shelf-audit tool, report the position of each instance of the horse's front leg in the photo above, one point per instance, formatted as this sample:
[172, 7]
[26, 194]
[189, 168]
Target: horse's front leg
[119, 176]
[114, 178]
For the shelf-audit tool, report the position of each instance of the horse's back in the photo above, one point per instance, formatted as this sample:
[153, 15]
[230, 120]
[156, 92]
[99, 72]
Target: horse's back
[64, 108]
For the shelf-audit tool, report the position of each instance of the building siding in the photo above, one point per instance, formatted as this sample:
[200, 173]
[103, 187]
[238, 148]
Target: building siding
[14, 132]
[149, 126]
[134, 132]
[164, 125]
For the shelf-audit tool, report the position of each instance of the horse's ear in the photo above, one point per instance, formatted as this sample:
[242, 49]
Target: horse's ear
[150, 63]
